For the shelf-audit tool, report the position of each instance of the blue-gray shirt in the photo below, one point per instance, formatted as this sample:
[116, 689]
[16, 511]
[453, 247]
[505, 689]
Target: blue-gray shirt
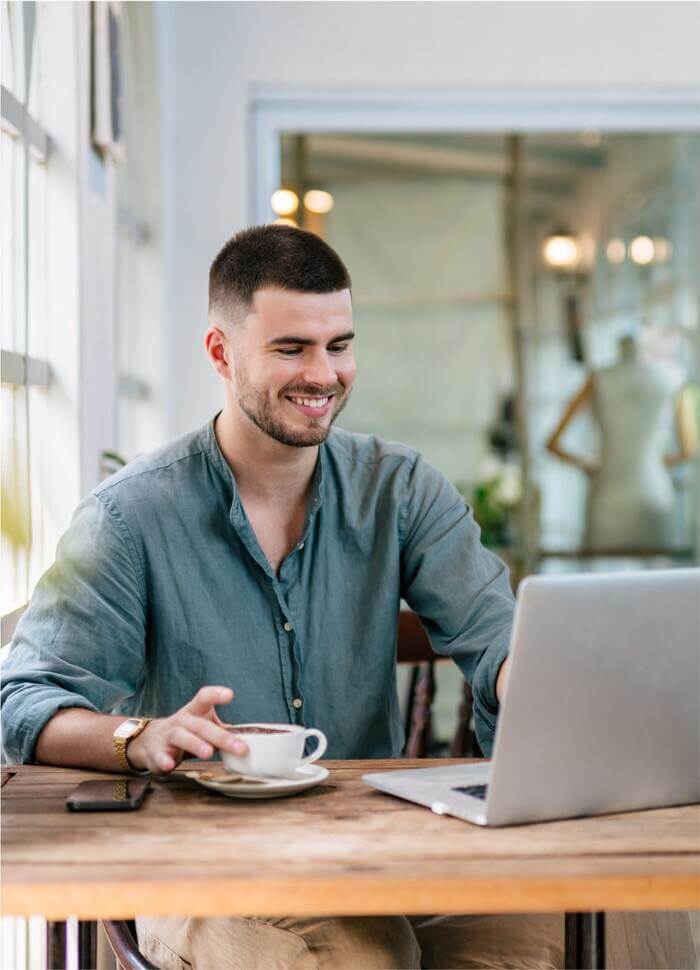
[160, 587]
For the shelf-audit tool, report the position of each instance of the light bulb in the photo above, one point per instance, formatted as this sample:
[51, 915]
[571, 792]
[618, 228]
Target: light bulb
[641, 250]
[284, 202]
[616, 251]
[663, 249]
[316, 200]
[561, 252]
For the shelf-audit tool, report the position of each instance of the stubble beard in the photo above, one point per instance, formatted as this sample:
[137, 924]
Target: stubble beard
[258, 408]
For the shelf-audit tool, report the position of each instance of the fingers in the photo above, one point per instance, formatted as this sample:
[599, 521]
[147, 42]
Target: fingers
[164, 762]
[217, 737]
[207, 697]
[180, 737]
[196, 730]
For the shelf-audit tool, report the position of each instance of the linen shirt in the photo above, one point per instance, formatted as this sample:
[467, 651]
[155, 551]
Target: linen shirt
[160, 587]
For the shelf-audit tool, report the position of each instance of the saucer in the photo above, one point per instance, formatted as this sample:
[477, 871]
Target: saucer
[241, 786]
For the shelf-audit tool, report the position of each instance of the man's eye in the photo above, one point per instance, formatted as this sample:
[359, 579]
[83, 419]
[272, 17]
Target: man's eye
[289, 351]
[338, 348]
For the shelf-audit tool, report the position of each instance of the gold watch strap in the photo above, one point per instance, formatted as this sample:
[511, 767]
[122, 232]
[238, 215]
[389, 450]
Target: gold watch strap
[120, 744]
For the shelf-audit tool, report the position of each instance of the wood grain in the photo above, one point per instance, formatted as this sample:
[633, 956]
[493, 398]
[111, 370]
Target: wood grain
[338, 849]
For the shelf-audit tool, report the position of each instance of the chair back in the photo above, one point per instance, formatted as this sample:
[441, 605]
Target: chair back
[413, 647]
[122, 937]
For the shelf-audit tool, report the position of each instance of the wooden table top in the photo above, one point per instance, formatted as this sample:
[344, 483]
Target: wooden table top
[341, 848]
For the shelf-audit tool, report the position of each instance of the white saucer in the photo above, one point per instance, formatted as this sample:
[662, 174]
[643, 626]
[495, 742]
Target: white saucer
[238, 786]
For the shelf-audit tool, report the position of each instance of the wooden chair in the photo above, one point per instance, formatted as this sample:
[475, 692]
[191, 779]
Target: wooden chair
[413, 647]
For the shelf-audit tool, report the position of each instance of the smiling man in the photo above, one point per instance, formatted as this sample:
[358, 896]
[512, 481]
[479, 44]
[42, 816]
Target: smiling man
[257, 566]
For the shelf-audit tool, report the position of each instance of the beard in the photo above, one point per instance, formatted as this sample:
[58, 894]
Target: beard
[261, 411]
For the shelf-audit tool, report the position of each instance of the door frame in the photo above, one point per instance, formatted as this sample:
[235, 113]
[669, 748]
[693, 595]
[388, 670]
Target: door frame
[274, 110]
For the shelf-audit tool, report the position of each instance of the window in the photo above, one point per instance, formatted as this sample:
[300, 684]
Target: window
[58, 216]
[25, 369]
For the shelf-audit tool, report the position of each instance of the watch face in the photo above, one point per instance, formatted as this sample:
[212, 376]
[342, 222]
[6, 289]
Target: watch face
[127, 728]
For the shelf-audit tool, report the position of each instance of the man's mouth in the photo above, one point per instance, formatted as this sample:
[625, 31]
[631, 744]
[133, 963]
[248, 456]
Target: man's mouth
[313, 406]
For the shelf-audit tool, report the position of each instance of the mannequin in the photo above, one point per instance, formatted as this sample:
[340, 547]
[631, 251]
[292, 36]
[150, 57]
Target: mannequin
[631, 500]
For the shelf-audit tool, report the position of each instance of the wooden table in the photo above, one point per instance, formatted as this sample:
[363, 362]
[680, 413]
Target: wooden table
[338, 849]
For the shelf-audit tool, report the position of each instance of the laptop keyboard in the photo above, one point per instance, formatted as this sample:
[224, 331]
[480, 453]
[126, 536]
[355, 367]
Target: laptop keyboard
[476, 791]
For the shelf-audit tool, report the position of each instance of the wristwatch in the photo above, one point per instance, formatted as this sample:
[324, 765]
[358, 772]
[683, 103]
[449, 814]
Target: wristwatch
[127, 731]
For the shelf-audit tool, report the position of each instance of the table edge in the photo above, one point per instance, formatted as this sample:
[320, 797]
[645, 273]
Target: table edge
[351, 895]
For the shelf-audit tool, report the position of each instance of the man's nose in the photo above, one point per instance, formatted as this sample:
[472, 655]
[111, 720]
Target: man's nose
[319, 370]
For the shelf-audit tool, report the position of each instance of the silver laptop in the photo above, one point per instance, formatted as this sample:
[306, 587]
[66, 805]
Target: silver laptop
[602, 712]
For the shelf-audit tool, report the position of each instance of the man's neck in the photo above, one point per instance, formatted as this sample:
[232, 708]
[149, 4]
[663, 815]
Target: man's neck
[265, 470]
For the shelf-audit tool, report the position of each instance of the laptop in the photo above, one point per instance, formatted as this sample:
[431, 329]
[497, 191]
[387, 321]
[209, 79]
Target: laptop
[602, 712]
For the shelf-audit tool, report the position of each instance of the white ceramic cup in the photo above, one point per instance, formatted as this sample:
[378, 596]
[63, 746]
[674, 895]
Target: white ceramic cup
[275, 755]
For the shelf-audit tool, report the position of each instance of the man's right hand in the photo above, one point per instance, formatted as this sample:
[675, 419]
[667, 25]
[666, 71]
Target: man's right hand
[195, 729]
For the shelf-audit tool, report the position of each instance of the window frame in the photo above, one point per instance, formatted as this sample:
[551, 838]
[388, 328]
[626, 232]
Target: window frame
[22, 369]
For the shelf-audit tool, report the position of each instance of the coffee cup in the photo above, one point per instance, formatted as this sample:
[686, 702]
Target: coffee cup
[274, 750]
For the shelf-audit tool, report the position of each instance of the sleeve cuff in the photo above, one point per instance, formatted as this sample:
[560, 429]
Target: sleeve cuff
[22, 727]
[486, 673]
[486, 704]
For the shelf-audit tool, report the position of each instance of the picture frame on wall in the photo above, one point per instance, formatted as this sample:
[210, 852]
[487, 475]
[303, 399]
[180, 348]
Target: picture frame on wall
[106, 81]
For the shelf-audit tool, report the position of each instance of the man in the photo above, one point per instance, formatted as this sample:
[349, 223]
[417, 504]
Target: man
[256, 566]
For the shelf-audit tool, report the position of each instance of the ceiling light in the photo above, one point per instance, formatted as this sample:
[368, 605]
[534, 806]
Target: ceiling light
[641, 250]
[616, 251]
[318, 201]
[284, 202]
[561, 251]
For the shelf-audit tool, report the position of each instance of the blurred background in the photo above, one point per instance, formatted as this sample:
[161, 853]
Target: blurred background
[520, 214]
[515, 188]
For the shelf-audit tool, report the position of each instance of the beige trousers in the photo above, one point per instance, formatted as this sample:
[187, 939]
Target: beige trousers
[354, 943]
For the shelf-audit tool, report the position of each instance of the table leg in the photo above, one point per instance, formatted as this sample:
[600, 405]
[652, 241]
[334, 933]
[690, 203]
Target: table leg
[585, 941]
[56, 945]
[87, 944]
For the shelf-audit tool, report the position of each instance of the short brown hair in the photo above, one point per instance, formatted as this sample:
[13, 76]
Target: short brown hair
[272, 256]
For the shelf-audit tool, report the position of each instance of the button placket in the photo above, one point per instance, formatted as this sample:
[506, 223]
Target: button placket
[297, 702]
[288, 635]
[247, 536]
[289, 663]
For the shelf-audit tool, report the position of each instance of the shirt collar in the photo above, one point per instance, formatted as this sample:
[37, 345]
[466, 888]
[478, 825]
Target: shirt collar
[216, 456]
[222, 466]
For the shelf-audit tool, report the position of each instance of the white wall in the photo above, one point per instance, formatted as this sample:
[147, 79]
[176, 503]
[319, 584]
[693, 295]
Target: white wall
[211, 54]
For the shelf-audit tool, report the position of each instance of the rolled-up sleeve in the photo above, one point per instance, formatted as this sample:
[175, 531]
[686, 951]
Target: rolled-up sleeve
[459, 589]
[81, 642]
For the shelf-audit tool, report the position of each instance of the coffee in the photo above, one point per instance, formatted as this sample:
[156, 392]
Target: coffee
[257, 730]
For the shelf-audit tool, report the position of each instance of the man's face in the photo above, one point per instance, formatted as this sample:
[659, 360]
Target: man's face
[293, 364]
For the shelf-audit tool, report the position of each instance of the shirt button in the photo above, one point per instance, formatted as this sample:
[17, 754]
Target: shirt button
[297, 702]
[288, 627]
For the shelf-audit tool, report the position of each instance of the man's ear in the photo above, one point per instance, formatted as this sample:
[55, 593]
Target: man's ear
[219, 351]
